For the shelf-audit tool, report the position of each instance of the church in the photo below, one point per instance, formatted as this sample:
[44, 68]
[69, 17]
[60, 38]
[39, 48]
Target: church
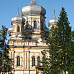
[27, 38]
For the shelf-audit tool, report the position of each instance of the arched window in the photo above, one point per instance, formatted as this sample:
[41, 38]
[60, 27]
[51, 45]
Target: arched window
[18, 61]
[33, 61]
[38, 60]
[18, 29]
[35, 24]
[27, 24]
[43, 60]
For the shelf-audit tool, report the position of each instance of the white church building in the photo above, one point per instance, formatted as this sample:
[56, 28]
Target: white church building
[27, 38]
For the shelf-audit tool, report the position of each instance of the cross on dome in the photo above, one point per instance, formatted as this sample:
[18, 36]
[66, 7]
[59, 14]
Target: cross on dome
[32, 0]
[54, 12]
[18, 11]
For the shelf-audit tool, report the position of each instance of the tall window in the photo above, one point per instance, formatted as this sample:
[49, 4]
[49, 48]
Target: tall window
[33, 61]
[35, 24]
[18, 61]
[18, 29]
[38, 60]
[27, 24]
[43, 60]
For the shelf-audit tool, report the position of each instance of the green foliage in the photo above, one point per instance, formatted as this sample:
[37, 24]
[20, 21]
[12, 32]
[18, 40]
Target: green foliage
[60, 46]
[64, 33]
[45, 62]
[7, 61]
[71, 66]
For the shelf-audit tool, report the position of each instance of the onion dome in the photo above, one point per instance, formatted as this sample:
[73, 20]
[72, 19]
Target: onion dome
[17, 18]
[53, 21]
[10, 29]
[33, 9]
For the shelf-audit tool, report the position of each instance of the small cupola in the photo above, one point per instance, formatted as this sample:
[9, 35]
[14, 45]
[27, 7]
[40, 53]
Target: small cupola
[17, 18]
[53, 21]
[10, 29]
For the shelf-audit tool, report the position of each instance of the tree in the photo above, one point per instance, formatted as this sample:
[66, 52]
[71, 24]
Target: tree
[59, 42]
[6, 61]
[45, 62]
[64, 34]
[54, 52]
[71, 66]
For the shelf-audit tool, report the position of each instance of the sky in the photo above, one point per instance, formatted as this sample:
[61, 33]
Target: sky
[9, 8]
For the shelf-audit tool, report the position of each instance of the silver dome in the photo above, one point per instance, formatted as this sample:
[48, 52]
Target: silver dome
[53, 21]
[10, 29]
[33, 9]
[17, 18]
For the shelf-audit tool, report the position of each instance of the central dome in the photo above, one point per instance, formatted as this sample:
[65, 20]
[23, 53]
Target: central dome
[33, 9]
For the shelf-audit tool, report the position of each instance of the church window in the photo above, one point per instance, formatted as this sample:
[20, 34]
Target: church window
[27, 24]
[18, 29]
[33, 61]
[18, 61]
[43, 58]
[38, 60]
[35, 24]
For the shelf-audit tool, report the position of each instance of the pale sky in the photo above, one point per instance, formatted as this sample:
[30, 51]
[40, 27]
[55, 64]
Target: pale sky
[8, 9]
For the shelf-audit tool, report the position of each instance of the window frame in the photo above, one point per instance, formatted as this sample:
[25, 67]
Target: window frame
[33, 61]
[18, 29]
[18, 60]
[38, 60]
[35, 24]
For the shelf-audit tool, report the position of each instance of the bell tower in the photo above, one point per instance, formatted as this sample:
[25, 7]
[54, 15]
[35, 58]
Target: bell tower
[34, 16]
[17, 29]
[53, 21]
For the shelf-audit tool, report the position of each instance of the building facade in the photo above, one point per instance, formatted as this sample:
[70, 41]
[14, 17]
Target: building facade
[27, 38]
